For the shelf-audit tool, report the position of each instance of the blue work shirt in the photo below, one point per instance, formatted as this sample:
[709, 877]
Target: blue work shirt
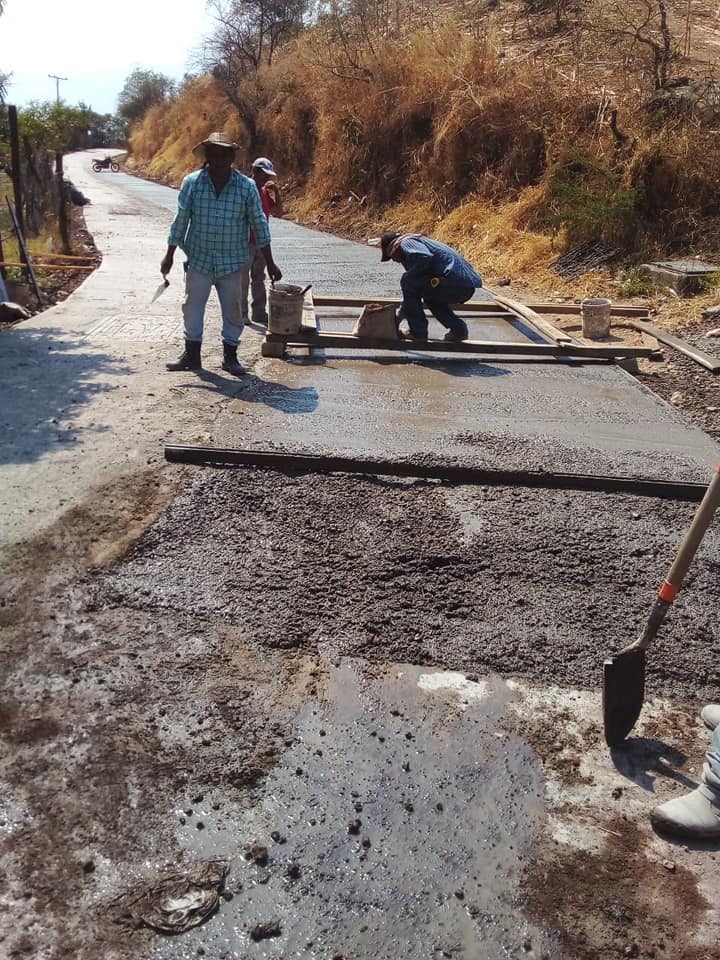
[213, 229]
[424, 258]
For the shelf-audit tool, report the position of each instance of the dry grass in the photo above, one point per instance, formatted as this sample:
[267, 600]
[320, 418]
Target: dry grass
[492, 132]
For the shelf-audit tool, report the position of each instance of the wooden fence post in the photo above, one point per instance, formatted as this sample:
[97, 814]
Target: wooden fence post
[15, 164]
[62, 209]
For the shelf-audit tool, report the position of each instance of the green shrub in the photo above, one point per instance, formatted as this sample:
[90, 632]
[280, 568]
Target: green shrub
[635, 283]
[587, 198]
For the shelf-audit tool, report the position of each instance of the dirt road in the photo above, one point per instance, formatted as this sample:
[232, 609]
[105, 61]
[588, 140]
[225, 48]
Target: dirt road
[390, 686]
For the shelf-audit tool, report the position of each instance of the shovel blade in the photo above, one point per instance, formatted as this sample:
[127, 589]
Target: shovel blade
[623, 694]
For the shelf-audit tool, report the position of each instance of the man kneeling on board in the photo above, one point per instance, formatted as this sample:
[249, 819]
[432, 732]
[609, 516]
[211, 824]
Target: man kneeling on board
[435, 275]
[696, 815]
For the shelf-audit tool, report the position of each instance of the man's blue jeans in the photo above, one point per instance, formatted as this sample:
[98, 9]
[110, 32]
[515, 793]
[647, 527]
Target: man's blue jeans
[419, 290]
[197, 290]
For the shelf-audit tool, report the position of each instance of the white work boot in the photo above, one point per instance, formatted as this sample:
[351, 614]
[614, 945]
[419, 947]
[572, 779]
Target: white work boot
[695, 815]
[710, 715]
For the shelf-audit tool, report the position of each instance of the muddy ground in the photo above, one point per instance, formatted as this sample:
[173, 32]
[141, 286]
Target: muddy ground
[173, 664]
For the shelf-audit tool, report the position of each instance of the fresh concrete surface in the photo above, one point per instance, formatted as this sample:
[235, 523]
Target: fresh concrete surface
[85, 397]
[112, 737]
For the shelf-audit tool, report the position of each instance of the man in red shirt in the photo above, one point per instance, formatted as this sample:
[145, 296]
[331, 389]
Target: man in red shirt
[254, 272]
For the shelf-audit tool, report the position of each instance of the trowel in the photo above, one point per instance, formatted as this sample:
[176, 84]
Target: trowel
[624, 673]
[161, 289]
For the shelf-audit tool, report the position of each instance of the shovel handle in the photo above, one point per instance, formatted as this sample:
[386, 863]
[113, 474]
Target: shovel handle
[692, 540]
[684, 557]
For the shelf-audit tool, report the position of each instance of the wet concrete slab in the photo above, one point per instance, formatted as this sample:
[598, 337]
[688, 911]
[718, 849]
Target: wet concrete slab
[85, 396]
[538, 416]
[403, 824]
[415, 813]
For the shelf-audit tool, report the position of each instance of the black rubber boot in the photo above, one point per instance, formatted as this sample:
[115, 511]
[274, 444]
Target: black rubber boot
[230, 360]
[189, 359]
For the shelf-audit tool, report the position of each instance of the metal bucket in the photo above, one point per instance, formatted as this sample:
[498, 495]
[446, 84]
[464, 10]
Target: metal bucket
[285, 312]
[595, 313]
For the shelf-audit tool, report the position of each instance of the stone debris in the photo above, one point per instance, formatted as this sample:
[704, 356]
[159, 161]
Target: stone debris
[264, 931]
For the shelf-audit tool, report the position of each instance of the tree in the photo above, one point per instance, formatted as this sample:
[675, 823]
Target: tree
[248, 33]
[246, 37]
[59, 127]
[644, 27]
[143, 89]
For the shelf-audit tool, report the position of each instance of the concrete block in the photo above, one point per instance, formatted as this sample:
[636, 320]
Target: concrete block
[685, 277]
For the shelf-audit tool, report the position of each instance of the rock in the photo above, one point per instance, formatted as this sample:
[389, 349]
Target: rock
[264, 931]
[669, 866]
[676, 398]
[257, 852]
[12, 311]
[354, 827]
[617, 793]
[713, 333]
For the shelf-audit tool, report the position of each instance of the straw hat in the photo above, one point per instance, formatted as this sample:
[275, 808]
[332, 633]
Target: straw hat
[214, 140]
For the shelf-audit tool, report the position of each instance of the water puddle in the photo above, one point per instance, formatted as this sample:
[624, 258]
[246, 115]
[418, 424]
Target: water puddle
[397, 826]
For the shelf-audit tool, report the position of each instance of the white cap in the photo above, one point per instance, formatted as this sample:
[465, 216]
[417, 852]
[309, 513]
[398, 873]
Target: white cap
[265, 165]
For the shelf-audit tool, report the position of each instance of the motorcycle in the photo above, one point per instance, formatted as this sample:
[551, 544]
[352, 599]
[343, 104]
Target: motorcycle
[107, 164]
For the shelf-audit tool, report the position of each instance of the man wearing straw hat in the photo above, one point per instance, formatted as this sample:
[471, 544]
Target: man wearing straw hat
[217, 208]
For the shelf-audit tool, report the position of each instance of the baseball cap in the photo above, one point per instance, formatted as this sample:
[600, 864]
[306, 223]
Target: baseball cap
[265, 165]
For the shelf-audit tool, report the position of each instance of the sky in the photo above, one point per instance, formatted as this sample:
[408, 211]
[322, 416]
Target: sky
[95, 44]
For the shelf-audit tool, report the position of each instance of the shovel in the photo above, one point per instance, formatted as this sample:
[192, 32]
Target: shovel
[624, 673]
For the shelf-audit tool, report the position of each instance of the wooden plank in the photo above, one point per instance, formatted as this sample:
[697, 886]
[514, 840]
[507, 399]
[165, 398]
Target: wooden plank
[482, 306]
[347, 341]
[574, 310]
[687, 349]
[451, 472]
[45, 266]
[269, 349]
[546, 328]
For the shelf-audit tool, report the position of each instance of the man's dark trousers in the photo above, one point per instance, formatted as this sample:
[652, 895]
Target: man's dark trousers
[419, 290]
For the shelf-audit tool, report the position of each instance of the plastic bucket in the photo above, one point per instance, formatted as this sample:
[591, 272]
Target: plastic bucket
[595, 313]
[286, 308]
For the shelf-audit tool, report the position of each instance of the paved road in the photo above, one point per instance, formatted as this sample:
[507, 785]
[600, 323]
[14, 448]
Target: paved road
[282, 604]
[85, 397]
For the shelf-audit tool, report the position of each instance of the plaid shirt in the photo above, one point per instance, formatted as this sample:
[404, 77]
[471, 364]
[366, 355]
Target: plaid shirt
[213, 230]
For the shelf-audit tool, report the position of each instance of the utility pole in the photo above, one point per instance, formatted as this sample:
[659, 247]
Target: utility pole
[54, 76]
